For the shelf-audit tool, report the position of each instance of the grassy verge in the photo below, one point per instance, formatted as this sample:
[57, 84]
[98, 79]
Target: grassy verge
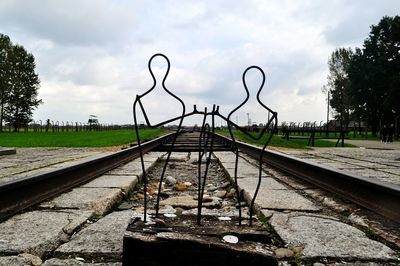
[75, 139]
[278, 141]
[350, 135]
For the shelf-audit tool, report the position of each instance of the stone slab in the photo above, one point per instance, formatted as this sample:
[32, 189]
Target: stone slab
[297, 184]
[377, 164]
[39, 232]
[75, 262]
[124, 182]
[340, 165]
[153, 156]
[278, 199]
[373, 173]
[395, 171]
[361, 163]
[225, 156]
[187, 202]
[135, 167]
[99, 200]
[322, 236]
[395, 180]
[244, 170]
[21, 260]
[29, 161]
[266, 182]
[177, 157]
[131, 168]
[101, 239]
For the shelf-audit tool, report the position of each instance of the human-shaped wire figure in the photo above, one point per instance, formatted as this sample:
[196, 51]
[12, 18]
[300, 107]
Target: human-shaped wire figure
[180, 118]
[204, 139]
[270, 125]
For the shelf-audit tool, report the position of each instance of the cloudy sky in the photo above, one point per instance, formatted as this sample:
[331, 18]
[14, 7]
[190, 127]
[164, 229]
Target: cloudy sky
[92, 55]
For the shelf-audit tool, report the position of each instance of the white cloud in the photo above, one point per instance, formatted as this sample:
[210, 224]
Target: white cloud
[92, 56]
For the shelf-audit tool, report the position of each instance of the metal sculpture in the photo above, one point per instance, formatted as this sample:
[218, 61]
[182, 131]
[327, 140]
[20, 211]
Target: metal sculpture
[206, 139]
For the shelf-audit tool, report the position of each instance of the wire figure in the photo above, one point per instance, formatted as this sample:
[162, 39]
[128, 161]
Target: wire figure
[206, 139]
[271, 121]
[179, 118]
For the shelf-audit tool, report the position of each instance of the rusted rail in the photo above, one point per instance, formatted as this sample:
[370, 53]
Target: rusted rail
[377, 196]
[20, 194]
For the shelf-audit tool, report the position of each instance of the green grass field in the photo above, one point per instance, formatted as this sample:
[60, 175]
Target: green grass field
[75, 139]
[124, 137]
[278, 141]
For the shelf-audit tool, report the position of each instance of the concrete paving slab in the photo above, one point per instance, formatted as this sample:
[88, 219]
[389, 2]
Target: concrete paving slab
[372, 173]
[131, 168]
[75, 262]
[29, 161]
[322, 236]
[340, 165]
[395, 171]
[38, 232]
[225, 156]
[277, 199]
[395, 180]
[244, 171]
[124, 182]
[100, 200]
[361, 163]
[291, 181]
[177, 157]
[152, 156]
[135, 167]
[101, 239]
[245, 168]
[266, 182]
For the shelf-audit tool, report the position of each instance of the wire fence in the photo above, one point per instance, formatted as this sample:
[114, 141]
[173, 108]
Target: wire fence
[65, 126]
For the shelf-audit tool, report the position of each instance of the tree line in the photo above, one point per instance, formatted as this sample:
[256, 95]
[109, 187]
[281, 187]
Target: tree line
[19, 84]
[364, 83]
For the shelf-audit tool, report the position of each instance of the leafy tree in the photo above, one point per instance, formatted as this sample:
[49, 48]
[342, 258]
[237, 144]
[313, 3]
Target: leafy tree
[20, 86]
[375, 73]
[339, 84]
[5, 47]
[365, 84]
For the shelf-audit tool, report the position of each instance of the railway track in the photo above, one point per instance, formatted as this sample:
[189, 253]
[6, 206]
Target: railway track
[374, 195]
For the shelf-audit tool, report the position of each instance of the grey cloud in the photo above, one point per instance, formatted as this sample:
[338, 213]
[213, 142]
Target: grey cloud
[354, 28]
[70, 22]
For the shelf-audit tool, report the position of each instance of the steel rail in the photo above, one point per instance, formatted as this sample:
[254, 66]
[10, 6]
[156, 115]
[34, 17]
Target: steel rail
[17, 195]
[380, 197]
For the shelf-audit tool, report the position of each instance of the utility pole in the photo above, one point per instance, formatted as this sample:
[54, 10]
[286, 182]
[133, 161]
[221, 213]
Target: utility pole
[248, 119]
[327, 117]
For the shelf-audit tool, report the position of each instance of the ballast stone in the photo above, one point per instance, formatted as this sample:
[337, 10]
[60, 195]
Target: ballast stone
[74, 262]
[21, 260]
